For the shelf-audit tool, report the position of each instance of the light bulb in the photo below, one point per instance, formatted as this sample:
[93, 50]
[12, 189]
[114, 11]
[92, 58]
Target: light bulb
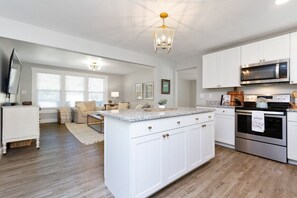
[279, 2]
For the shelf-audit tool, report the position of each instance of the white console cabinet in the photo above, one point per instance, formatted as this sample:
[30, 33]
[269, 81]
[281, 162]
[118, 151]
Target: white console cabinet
[20, 123]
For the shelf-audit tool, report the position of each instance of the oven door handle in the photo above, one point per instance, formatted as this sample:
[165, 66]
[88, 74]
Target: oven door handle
[265, 112]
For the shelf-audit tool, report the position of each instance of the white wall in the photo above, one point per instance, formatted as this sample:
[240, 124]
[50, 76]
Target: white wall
[193, 93]
[129, 81]
[183, 93]
[115, 82]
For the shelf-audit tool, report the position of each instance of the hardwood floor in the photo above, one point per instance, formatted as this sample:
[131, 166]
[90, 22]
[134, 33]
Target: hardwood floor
[63, 167]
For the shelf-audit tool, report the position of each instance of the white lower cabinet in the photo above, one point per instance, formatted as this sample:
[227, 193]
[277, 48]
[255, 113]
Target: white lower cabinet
[225, 126]
[161, 158]
[292, 136]
[147, 155]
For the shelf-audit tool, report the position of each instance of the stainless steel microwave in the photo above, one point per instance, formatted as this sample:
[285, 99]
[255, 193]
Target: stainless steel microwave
[266, 72]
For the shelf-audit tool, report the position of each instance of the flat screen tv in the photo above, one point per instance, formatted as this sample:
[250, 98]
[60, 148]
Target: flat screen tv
[14, 74]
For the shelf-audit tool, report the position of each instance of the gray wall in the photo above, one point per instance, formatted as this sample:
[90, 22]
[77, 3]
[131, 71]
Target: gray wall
[183, 89]
[193, 93]
[129, 81]
[115, 82]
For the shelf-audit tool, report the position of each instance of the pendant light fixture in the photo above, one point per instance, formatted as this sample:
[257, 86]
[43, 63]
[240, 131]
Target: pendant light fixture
[163, 36]
[94, 66]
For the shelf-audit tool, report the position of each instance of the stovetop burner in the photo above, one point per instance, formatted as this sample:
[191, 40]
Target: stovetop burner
[275, 103]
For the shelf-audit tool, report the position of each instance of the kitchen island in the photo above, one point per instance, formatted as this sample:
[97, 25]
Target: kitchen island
[145, 151]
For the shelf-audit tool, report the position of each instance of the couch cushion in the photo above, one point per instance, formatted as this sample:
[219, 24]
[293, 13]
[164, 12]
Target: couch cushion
[84, 114]
[123, 105]
[81, 106]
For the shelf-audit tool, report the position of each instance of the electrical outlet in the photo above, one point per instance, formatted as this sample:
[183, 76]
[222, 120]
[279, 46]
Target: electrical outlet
[201, 95]
[24, 92]
[210, 95]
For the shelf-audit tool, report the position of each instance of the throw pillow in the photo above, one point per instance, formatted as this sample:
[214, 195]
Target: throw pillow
[139, 106]
[82, 107]
[123, 105]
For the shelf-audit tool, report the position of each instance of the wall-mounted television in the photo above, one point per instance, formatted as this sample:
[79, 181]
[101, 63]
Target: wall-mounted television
[14, 74]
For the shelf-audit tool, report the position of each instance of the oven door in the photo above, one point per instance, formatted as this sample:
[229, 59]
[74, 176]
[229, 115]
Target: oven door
[275, 127]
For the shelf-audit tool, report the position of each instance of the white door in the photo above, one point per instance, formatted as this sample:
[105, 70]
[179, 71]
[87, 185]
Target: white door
[194, 147]
[293, 60]
[250, 53]
[230, 67]
[147, 159]
[225, 129]
[175, 154]
[210, 70]
[276, 48]
[208, 142]
[292, 140]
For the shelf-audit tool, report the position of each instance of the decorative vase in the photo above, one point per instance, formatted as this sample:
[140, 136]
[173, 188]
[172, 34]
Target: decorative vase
[162, 106]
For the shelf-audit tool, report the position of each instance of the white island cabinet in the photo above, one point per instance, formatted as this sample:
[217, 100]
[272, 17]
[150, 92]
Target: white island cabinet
[149, 150]
[292, 137]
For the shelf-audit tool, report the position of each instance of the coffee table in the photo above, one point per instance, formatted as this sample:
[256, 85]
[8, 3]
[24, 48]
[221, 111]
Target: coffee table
[96, 122]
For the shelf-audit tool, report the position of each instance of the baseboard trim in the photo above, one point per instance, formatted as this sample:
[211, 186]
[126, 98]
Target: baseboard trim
[225, 145]
[50, 120]
[292, 162]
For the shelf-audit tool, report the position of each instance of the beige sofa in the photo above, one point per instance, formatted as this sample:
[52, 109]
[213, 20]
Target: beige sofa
[82, 109]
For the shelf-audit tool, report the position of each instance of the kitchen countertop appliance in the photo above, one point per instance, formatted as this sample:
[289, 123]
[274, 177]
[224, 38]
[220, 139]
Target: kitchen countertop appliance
[266, 72]
[272, 142]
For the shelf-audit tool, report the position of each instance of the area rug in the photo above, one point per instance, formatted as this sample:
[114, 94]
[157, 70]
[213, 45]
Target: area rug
[84, 133]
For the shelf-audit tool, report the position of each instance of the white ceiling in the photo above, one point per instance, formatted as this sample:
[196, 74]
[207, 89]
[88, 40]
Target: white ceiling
[38, 54]
[201, 25]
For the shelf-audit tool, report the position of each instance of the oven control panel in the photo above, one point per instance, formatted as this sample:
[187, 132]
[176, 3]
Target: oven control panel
[270, 98]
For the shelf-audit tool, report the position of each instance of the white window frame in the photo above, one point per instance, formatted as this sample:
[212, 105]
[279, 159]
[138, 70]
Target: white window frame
[64, 73]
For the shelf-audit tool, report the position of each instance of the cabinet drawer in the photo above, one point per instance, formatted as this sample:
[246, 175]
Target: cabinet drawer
[154, 126]
[225, 111]
[292, 116]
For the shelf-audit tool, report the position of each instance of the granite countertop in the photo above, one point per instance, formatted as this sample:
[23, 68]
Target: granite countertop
[216, 106]
[137, 115]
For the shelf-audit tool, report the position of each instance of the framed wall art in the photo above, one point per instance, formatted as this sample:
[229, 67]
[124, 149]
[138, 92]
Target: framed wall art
[165, 86]
[149, 91]
[139, 91]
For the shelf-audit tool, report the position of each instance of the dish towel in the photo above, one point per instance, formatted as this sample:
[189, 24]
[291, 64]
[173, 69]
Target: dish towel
[258, 121]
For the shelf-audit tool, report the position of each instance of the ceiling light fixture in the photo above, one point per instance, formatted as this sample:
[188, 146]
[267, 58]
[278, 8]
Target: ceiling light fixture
[94, 66]
[163, 36]
[279, 2]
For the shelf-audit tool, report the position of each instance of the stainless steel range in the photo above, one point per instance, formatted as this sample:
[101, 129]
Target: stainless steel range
[271, 143]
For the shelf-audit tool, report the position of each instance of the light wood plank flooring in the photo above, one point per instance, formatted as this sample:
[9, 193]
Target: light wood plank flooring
[63, 167]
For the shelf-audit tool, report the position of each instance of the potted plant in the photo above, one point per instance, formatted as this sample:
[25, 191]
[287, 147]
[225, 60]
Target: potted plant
[162, 103]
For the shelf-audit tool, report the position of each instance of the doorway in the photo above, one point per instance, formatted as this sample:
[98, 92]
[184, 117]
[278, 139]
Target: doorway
[186, 87]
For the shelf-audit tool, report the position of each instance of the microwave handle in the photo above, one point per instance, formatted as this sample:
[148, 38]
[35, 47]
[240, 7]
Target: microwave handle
[277, 71]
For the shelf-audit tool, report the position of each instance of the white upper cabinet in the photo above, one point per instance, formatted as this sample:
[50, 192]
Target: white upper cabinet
[266, 50]
[210, 75]
[293, 60]
[250, 53]
[230, 68]
[221, 69]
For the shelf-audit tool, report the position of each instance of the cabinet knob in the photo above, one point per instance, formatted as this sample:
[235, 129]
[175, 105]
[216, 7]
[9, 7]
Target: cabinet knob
[164, 136]
[178, 122]
[209, 116]
[223, 111]
[167, 135]
[150, 127]
[204, 125]
[196, 118]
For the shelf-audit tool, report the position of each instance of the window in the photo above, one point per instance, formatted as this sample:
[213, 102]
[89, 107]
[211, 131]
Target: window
[55, 88]
[74, 89]
[48, 90]
[96, 90]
